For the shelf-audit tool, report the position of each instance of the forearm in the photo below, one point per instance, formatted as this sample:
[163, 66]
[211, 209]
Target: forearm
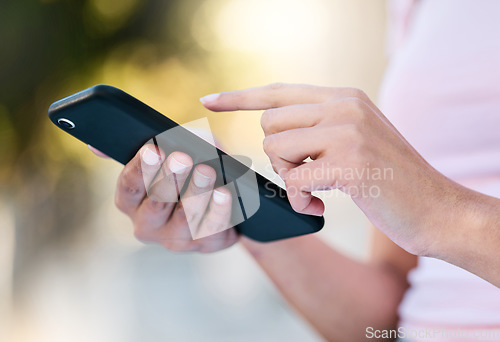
[341, 130]
[340, 297]
[472, 237]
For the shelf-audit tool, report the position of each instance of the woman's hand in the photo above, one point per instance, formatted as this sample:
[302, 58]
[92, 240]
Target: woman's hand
[157, 214]
[355, 149]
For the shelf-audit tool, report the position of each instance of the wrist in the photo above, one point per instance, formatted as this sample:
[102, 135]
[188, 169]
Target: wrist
[254, 248]
[450, 213]
[473, 242]
[456, 219]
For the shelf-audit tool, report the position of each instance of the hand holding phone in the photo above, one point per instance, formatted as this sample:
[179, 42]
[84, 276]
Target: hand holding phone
[156, 216]
[119, 125]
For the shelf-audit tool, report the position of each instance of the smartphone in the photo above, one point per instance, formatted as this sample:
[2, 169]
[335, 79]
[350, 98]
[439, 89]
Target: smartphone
[118, 125]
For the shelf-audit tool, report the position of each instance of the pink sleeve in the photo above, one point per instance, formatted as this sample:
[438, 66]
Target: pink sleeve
[399, 13]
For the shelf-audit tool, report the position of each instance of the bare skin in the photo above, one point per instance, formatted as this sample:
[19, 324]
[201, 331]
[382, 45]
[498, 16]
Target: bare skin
[157, 219]
[418, 208]
[418, 211]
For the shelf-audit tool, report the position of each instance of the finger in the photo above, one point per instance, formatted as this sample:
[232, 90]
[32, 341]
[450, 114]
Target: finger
[153, 224]
[338, 111]
[150, 217]
[312, 176]
[274, 96]
[306, 203]
[276, 120]
[161, 225]
[156, 208]
[97, 152]
[281, 166]
[218, 216]
[302, 201]
[151, 161]
[167, 183]
[218, 241]
[289, 149]
[175, 234]
[131, 189]
[315, 176]
[197, 196]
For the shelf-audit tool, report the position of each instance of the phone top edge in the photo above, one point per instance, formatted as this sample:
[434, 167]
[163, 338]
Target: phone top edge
[81, 95]
[153, 118]
[112, 94]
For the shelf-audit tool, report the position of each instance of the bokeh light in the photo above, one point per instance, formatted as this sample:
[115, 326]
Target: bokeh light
[71, 268]
[272, 25]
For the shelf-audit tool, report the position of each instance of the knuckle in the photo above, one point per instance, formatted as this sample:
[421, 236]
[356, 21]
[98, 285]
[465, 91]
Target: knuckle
[357, 93]
[292, 181]
[269, 118]
[177, 246]
[169, 180]
[265, 120]
[354, 103]
[355, 107]
[269, 144]
[357, 144]
[121, 204]
[279, 170]
[215, 225]
[135, 170]
[207, 249]
[131, 189]
[231, 96]
[276, 86]
[131, 177]
[141, 234]
[361, 94]
[274, 91]
[220, 212]
[330, 108]
[206, 170]
[210, 247]
[210, 225]
[156, 205]
[174, 247]
[354, 134]
[193, 218]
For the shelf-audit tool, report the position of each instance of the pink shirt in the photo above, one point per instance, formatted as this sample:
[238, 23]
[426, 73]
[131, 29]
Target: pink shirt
[442, 92]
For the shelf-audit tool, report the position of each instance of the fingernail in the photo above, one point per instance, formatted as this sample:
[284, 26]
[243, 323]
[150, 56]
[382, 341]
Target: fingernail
[150, 157]
[176, 166]
[97, 152]
[200, 180]
[209, 98]
[219, 197]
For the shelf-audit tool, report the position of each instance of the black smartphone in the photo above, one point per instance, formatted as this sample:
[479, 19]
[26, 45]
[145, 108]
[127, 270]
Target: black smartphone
[118, 125]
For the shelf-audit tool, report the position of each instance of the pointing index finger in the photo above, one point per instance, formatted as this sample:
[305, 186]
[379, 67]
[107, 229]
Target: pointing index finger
[267, 97]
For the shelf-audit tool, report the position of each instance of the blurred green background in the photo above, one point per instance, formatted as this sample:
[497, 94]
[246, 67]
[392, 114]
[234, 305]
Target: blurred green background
[69, 266]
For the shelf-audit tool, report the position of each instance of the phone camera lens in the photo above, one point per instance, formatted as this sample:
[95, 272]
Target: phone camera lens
[66, 123]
